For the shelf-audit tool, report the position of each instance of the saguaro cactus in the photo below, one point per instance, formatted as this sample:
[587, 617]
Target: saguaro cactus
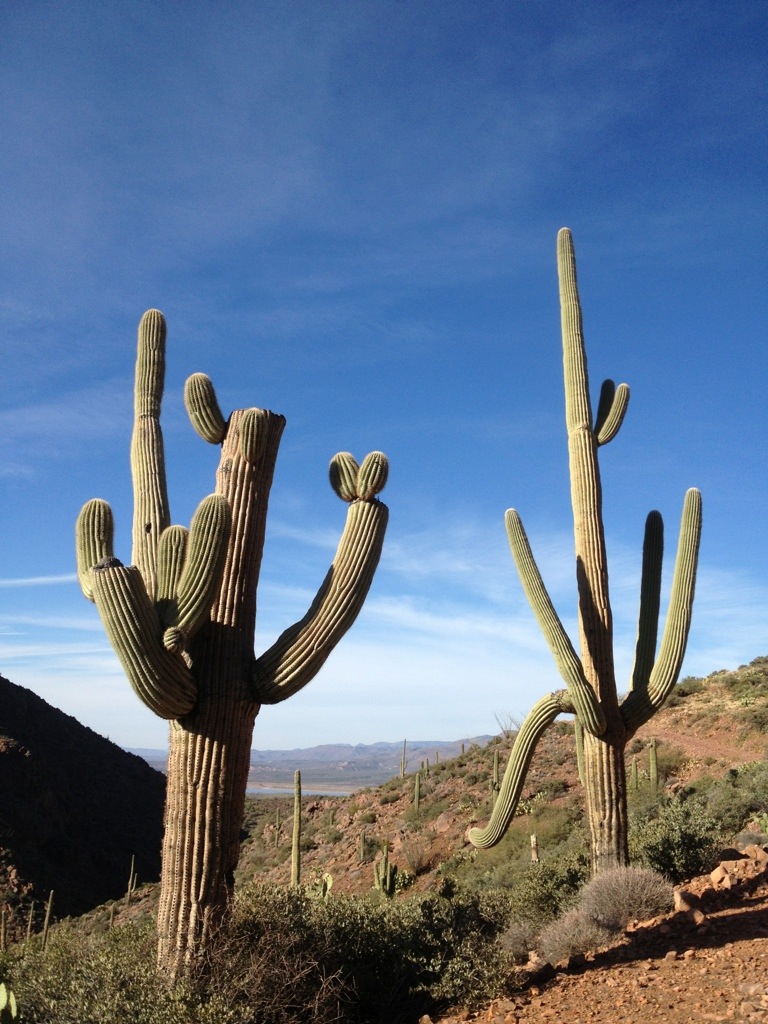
[182, 621]
[591, 693]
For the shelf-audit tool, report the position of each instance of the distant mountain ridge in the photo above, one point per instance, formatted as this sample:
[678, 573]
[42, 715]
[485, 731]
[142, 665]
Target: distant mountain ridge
[336, 766]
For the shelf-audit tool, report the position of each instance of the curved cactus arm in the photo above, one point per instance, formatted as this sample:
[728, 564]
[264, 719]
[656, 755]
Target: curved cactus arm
[566, 659]
[610, 411]
[639, 706]
[540, 717]
[203, 408]
[650, 601]
[159, 677]
[297, 655]
[206, 554]
[151, 514]
[94, 532]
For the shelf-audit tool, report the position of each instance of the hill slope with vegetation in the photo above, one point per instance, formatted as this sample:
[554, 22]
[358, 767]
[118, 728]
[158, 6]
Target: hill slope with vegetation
[463, 934]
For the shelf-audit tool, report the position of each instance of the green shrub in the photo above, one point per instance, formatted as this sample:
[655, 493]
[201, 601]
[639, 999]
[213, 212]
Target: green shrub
[680, 842]
[740, 795]
[546, 889]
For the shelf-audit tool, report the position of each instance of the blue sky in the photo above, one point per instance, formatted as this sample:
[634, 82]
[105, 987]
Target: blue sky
[347, 212]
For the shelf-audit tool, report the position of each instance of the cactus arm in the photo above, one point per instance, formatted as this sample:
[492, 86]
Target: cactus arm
[650, 601]
[610, 411]
[566, 659]
[297, 655]
[540, 717]
[203, 408]
[94, 532]
[159, 677]
[254, 428]
[171, 553]
[639, 706]
[207, 551]
[150, 496]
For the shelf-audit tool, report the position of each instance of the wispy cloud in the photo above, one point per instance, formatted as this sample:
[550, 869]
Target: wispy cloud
[39, 581]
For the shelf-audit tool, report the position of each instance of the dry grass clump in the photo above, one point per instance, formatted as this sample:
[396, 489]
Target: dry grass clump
[606, 906]
[614, 898]
[574, 932]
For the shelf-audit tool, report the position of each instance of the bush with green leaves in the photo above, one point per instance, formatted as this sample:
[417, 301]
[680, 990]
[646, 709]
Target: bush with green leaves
[740, 795]
[680, 841]
[286, 957]
[107, 978]
[543, 891]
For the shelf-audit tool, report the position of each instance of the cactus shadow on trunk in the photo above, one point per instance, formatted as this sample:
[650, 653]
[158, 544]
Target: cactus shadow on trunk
[605, 722]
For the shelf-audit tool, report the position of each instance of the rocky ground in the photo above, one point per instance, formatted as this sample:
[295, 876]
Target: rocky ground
[707, 961]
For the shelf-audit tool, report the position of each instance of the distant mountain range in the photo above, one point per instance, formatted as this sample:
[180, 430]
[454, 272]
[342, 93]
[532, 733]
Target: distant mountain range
[335, 767]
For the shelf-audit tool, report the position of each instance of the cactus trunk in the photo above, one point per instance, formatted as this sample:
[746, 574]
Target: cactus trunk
[606, 793]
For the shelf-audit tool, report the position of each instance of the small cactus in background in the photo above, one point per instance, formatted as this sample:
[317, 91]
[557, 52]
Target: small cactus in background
[495, 776]
[403, 762]
[416, 792]
[385, 874]
[653, 764]
[591, 692]
[296, 841]
[634, 776]
[182, 619]
[47, 921]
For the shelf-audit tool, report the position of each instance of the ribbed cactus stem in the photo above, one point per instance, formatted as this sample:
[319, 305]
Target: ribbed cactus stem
[151, 514]
[578, 732]
[159, 677]
[634, 776]
[416, 792]
[540, 717]
[610, 411]
[566, 659]
[403, 762]
[301, 650]
[199, 583]
[296, 840]
[47, 920]
[653, 764]
[203, 408]
[645, 698]
[94, 533]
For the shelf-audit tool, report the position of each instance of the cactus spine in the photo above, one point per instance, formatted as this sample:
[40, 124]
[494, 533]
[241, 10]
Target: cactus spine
[182, 617]
[296, 841]
[591, 692]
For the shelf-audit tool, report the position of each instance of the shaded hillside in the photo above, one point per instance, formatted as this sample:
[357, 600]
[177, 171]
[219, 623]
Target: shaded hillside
[74, 808]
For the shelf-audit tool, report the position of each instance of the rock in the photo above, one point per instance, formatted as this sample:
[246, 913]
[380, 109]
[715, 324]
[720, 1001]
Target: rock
[757, 853]
[721, 877]
[685, 900]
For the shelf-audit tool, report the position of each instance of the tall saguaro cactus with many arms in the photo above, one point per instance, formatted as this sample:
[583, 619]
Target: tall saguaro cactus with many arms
[591, 692]
[182, 620]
